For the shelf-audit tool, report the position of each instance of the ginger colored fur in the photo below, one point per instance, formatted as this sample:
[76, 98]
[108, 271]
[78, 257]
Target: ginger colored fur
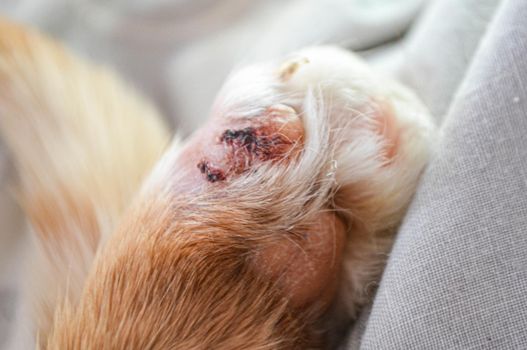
[178, 268]
[76, 135]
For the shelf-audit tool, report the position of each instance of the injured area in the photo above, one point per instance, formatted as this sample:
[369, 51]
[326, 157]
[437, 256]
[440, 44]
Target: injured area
[275, 136]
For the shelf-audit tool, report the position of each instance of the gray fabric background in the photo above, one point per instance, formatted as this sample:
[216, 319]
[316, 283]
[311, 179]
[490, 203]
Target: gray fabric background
[457, 276]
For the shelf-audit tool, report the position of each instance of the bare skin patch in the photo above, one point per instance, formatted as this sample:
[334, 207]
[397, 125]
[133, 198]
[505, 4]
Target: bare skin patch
[249, 145]
[271, 137]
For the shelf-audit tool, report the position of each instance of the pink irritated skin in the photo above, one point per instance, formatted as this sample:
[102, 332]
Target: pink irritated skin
[228, 147]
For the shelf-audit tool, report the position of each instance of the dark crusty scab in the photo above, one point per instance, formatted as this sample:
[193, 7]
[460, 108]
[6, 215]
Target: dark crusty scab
[211, 173]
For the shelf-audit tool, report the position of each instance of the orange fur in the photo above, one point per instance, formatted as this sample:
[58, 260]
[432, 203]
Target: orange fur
[74, 132]
[179, 287]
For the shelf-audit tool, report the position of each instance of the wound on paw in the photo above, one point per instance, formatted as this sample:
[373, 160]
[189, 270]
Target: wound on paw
[211, 173]
[246, 146]
[272, 137]
[243, 148]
